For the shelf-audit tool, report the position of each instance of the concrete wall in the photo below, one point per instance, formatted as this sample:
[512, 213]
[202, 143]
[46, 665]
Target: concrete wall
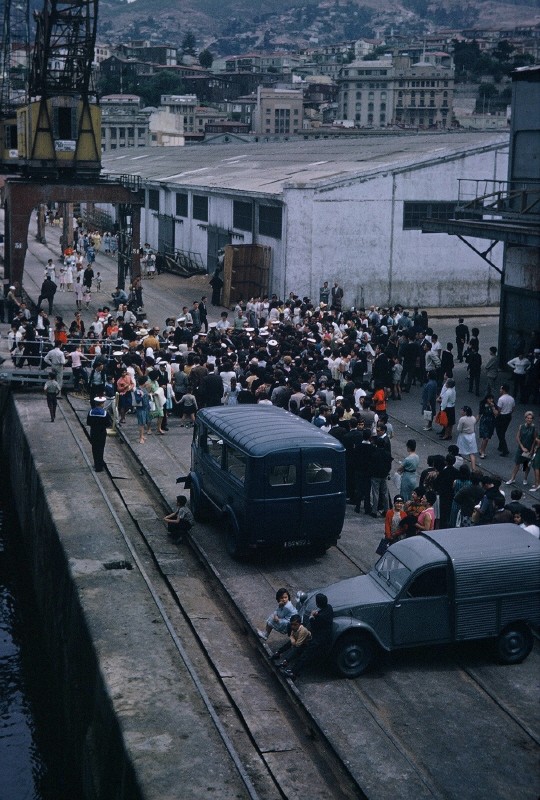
[95, 764]
[354, 233]
[191, 235]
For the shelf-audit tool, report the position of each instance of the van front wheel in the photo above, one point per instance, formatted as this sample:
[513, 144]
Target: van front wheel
[514, 643]
[232, 542]
[354, 653]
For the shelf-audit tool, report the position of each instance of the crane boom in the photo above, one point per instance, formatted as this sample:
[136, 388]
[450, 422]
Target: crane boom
[64, 48]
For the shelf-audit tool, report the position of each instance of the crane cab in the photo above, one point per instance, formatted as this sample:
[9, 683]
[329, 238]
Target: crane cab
[60, 135]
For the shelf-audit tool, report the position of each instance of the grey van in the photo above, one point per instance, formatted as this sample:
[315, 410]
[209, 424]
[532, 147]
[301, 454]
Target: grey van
[443, 586]
[275, 480]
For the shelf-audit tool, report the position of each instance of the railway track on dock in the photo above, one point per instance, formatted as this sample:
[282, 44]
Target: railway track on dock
[265, 731]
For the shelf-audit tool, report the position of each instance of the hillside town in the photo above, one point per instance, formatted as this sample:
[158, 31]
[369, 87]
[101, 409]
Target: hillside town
[155, 93]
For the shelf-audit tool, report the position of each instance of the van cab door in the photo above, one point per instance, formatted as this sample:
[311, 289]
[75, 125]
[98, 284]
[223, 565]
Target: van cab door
[281, 513]
[422, 611]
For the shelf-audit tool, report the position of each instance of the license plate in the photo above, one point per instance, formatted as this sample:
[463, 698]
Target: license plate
[295, 543]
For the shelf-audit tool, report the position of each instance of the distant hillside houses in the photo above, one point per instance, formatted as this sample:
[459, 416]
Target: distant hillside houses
[367, 83]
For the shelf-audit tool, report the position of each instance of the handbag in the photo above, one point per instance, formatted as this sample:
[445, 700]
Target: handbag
[151, 405]
[382, 547]
[428, 415]
[442, 418]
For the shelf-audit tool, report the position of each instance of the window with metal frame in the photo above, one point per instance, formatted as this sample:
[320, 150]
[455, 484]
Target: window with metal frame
[415, 212]
[270, 221]
[153, 199]
[242, 215]
[200, 207]
[181, 204]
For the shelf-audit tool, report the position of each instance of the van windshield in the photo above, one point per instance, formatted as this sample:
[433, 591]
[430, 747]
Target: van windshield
[392, 572]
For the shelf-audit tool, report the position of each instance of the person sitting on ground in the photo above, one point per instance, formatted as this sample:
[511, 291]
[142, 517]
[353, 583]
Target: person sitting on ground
[298, 635]
[279, 620]
[180, 521]
[321, 623]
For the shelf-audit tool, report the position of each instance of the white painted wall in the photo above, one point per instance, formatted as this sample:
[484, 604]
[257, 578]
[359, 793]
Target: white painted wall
[354, 234]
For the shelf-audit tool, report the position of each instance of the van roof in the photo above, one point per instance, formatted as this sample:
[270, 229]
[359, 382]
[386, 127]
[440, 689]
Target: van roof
[490, 542]
[262, 429]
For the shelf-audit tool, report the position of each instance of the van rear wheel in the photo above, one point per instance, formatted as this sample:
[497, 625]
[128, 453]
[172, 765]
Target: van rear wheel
[319, 548]
[514, 643]
[354, 654]
[232, 542]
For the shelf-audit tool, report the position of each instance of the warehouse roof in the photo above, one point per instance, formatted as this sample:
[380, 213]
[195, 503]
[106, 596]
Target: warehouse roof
[268, 167]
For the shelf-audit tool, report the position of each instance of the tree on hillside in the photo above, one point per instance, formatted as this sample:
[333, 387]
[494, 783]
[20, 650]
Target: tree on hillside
[152, 87]
[188, 44]
[466, 57]
[503, 51]
[206, 59]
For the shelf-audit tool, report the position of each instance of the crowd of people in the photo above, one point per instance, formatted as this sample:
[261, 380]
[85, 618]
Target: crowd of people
[337, 369]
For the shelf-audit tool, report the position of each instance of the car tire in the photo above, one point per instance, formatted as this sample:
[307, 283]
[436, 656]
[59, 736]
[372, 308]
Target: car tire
[514, 643]
[232, 541]
[354, 653]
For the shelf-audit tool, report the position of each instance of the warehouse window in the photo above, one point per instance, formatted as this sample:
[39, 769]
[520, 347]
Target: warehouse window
[153, 199]
[181, 204]
[200, 207]
[414, 213]
[242, 215]
[270, 221]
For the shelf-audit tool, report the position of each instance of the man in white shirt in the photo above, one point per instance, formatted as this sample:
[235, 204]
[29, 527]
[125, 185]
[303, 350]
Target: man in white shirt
[505, 407]
[56, 360]
[520, 366]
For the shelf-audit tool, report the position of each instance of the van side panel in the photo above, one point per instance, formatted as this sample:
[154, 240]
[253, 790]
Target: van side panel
[495, 575]
[493, 593]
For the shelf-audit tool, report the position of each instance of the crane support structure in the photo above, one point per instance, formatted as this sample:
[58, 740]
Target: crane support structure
[23, 196]
[55, 156]
[59, 129]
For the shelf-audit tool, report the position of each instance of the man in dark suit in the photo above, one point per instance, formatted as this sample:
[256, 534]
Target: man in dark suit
[462, 338]
[203, 312]
[211, 388]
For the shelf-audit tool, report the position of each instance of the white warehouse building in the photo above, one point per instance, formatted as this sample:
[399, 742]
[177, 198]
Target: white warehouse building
[329, 209]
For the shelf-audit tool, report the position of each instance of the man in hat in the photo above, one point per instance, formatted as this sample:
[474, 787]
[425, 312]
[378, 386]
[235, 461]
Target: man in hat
[98, 420]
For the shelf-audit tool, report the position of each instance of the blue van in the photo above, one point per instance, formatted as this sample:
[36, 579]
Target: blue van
[275, 480]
